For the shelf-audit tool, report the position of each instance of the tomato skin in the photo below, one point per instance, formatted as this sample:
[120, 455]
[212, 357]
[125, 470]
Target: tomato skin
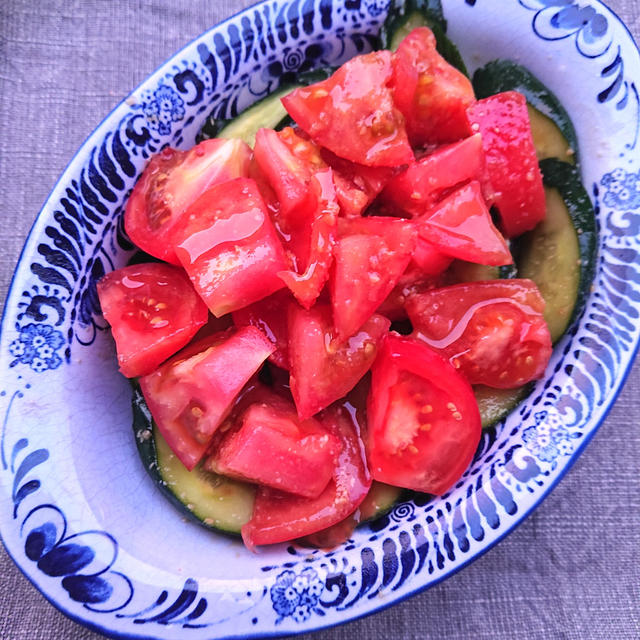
[370, 257]
[493, 332]
[421, 185]
[512, 170]
[272, 447]
[191, 394]
[323, 370]
[279, 517]
[352, 113]
[229, 248]
[139, 302]
[460, 226]
[423, 421]
[270, 316]
[171, 182]
[431, 94]
[319, 237]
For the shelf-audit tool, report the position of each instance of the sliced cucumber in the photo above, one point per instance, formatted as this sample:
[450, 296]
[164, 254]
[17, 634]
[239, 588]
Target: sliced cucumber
[268, 112]
[495, 404]
[379, 500]
[553, 132]
[214, 501]
[560, 254]
[408, 15]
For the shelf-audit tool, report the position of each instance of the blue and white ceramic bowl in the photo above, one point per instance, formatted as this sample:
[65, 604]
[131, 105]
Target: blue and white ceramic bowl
[79, 514]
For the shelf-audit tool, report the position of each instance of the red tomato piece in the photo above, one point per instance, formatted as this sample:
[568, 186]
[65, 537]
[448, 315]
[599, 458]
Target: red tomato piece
[270, 316]
[356, 184]
[319, 237]
[322, 370]
[370, 256]
[171, 182]
[288, 162]
[431, 94]
[421, 185]
[511, 163]
[278, 516]
[423, 420]
[153, 311]
[492, 331]
[229, 247]
[352, 113]
[272, 447]
[191, 394]
[429, 261]
[413, 280]
[461, 226]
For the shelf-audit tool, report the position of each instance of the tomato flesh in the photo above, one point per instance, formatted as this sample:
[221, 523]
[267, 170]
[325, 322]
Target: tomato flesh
[493, 332]
[322, 369]
[229, 247]
[515, 180]
[421, 185]
[319, 237]
[423, 420]
[370, 256]
[270, 316]
[171, 182]
[352, 113]
[147, 323]
[431, 94]
[279, 516]
[191, 394]
[460, 226]
[274, 448]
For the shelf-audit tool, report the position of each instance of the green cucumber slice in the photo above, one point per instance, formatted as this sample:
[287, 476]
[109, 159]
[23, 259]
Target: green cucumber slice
[496, 404]
[553, 132]
[560, 254]
[214, 501]
[268, 112]
[406, 16]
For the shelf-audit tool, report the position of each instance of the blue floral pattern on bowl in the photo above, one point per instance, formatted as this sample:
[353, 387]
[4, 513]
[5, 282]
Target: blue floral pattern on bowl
[106, 554]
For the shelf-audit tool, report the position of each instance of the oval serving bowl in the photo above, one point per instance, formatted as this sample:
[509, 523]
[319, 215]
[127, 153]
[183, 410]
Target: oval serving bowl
[78, 513]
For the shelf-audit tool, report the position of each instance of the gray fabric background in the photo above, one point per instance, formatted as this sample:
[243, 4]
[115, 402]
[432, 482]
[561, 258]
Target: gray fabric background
[571, 571]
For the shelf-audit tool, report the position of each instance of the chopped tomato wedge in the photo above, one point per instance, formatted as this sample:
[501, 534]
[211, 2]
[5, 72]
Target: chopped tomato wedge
[279, 516]
[493, 332]
[370, 256]
[191, 394]
[352, 113]
[153, 311]
[413, 280]
[461, 226]
[511, 163]
[423, 420]
[229, 247]
[319, 238]
[427, 260]
[356, 184]
[288, 162]
[323, 370]
[270, 316]
[172, 181]
[421, 185]
[431, 94]
[273, 447]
